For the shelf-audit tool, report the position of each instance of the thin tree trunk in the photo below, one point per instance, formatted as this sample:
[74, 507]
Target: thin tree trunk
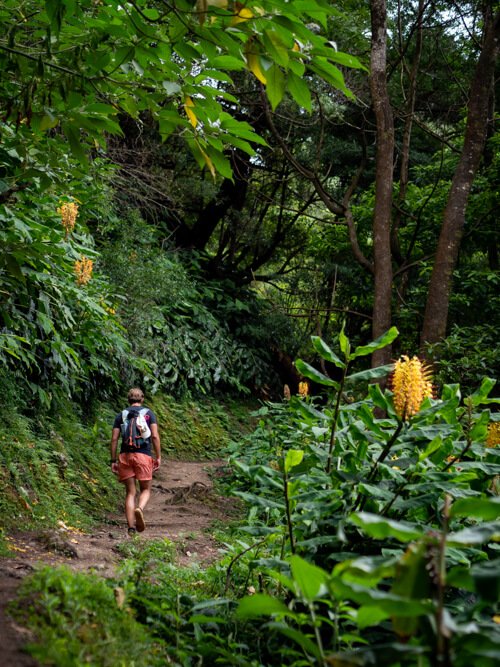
[438, 298]
[382, 316]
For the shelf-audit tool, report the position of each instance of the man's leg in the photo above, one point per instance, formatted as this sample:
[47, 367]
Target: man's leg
[130, 501]
[145, 492]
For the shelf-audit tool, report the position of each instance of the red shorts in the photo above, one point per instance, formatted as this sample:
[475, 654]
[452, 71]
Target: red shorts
[135, 465]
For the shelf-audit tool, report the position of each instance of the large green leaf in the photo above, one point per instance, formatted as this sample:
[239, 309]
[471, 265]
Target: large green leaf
[310, 579]
[411, 581]
[486, 577]
[379, 343]
[380, 528]
[325, 352]
[310, 372]
[299, 90]
[370, 374]
[275, 86]
[293, 458]
[480, 397]
[484, 532]
[487, 509]
[261, 604]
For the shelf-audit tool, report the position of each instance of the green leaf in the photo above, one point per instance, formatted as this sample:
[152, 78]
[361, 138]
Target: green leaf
[310, 579]
[370, 615]
[293, 458]
[227, 62]
[380, 400]
[486, 577]
[260, 604]
[486, 509]
[480, 429]
[299, 90]
[370, 373]
[480, 534]
[380, 528]
[480, 397]
[325, 352]
[73, 137]
[380, 342]
[346, 60]
[330, 74]
[300, 638]
[220, 162]
[345, 346]
[311, 373]
[275, 85]
[411, 581]
[275, 47]
[432, 447]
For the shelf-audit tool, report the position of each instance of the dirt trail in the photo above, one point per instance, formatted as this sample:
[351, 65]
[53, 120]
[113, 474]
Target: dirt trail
[183, 505]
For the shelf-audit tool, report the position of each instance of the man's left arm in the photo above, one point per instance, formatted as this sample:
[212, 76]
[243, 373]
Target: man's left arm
[155, 438]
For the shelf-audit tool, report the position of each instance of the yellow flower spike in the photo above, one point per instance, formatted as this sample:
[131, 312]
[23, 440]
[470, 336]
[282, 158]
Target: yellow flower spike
[68, 212]
[83, 270]
[411, 384]
[303, 389]
[493, 437]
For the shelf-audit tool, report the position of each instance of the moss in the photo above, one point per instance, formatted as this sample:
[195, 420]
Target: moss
[198, 430]
[57, 468]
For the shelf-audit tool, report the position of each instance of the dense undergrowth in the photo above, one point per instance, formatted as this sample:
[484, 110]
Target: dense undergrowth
[54, 466]
[371, 538]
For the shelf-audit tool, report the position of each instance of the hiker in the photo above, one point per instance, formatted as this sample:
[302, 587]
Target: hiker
[139, 429]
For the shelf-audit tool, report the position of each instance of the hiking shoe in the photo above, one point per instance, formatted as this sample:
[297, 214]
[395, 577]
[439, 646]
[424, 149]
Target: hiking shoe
[139, 520]
[131, 531]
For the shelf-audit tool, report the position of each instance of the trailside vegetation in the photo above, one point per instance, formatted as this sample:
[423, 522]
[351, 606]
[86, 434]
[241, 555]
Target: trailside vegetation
[369, 539]
[192, 191]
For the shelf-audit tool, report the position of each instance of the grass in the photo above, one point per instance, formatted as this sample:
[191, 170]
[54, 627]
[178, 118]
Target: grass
[56, 468]
[81, 619]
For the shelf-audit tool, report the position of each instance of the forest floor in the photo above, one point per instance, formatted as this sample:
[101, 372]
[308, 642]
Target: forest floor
[183, 506]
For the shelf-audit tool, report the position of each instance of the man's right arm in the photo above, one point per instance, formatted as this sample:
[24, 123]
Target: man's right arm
[113, 449]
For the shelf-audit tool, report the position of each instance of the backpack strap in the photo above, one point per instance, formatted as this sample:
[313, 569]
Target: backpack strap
[125, 417]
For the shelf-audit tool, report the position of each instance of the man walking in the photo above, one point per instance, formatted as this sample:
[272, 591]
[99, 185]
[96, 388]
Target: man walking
[139, 430]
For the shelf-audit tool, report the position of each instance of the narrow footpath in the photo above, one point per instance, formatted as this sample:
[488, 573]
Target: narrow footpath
[183, 506]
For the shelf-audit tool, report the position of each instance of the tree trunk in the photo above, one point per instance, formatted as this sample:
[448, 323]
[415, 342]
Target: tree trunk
[382, 317]
[438, 298]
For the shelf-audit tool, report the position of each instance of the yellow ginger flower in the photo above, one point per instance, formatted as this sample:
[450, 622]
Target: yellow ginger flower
[68, 212]
[411, 384]
[83, 270]
[304, 389]
[493, 437]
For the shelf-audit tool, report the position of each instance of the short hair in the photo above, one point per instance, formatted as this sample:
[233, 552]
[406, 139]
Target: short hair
[135, 395]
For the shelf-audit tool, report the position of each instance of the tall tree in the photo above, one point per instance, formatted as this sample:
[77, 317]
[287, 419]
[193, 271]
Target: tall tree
[384, 173]
[478, 118]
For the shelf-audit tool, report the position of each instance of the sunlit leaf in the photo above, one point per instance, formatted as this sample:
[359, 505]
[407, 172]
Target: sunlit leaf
[260, 605]
[293, 458]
